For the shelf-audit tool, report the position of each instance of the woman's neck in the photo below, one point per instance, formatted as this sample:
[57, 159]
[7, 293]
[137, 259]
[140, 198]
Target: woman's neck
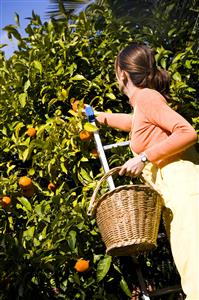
[131, 90]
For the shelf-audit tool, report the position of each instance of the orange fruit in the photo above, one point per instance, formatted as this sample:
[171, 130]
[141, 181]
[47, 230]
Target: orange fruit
[94, 153]
[52, 186]
[75, 105]
[31, 132]
[5, 201]
[85, 135]
[25, 182]
[82, 265]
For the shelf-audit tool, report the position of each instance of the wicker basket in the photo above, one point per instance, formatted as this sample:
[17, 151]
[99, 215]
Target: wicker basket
[128, 217]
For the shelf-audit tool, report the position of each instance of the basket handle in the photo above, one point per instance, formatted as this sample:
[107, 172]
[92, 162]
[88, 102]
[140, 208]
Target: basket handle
[105, 176]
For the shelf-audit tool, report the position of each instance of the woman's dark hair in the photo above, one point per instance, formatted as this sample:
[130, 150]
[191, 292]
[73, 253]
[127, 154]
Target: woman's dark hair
[139, 62]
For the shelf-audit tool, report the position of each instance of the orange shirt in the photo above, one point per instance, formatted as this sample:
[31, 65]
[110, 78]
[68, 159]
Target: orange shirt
[157, 129]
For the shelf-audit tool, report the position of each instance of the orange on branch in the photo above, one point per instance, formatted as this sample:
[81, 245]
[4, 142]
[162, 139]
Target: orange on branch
[52, 187]
[82, 265]
[75, 105]
[6, 200]
[85, 135]
[31, 132]
[25, 182]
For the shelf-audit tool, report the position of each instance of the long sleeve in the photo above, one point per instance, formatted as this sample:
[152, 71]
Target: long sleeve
[120, 121]
[180, 134]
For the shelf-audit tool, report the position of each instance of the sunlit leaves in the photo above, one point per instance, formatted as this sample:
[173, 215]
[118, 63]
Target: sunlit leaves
[37, 65]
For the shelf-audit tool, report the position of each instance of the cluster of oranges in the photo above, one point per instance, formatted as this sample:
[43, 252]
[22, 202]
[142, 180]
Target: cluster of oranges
[27, 187]
[26, 183]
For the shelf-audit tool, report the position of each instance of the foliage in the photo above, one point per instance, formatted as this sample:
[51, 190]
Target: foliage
[44, 234]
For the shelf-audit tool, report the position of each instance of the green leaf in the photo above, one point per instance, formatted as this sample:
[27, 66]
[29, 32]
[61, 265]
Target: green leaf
[103, 267]
[37, 65]
[3, 45]
[10, 168]
[172, 32]
[125, 287]
[51, 102]
[10, 219]
[71, 239]
[25, 203]
[17, 129]
[177, 76]
[43, 233]
[188, 64]
[77, 77]
[17, 19]
[163, 63]
[84, 174]
[117, 268]
[111, 96]
[11, 29]
[31, 171]
[26, 85]
[191, 90]
[27, 153]
[22, 99]
[4, 130]
[90, 127]
[64, 168]
[29, 233]
[178, 57]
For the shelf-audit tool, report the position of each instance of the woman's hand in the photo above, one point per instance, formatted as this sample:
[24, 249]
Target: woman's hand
[133, 167]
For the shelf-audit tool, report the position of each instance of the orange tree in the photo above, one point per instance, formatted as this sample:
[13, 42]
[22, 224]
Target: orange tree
[44, 227]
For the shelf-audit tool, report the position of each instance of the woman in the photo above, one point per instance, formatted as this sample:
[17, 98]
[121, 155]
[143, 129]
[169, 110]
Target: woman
[160, 138]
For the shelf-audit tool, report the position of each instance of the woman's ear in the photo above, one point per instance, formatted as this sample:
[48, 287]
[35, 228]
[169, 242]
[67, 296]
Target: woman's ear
[123, 75]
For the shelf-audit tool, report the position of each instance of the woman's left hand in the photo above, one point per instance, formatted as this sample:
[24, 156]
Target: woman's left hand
[133, 167]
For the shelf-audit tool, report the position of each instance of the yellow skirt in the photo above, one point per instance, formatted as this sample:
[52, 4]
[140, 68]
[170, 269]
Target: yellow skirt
[179, 186]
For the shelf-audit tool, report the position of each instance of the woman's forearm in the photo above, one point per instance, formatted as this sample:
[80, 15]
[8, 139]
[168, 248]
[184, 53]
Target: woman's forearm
[120, 121]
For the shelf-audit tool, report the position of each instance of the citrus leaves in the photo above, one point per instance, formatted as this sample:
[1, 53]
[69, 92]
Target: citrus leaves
[77, 78]
[37, 65]
[90, 127]
[23, 99]
[12, 32]
[125, 287]
[24, 204]
[103, 267]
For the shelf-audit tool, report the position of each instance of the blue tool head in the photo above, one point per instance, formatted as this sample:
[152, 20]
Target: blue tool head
[90, 113]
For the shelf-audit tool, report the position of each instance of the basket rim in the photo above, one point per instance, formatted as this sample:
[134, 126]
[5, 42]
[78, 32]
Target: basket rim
[140, 187]
[115, 170]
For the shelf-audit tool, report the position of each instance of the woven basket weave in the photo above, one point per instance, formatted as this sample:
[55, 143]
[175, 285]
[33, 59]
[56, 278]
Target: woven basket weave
[128, 217]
